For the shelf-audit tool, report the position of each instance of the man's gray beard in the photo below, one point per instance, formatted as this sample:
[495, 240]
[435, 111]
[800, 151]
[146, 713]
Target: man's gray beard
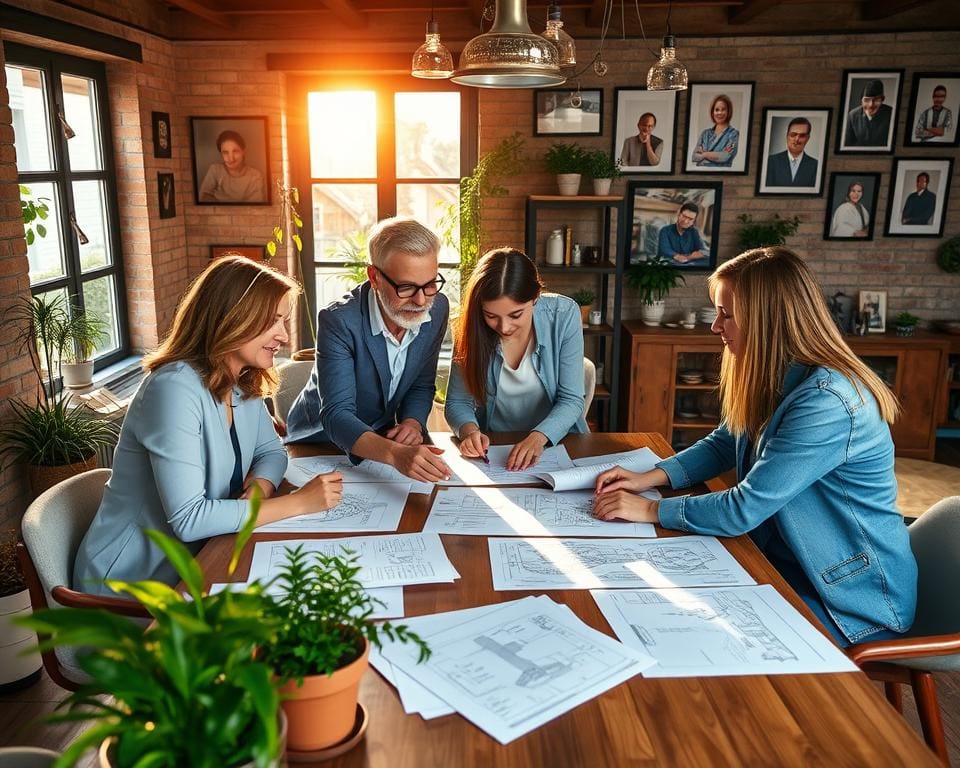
[404, 319]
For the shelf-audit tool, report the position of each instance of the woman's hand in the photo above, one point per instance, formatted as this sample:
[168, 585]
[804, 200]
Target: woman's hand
[623, 505]
[473, 444]
[527, 452]
[266, 488]
[322, 492]
[620, 479]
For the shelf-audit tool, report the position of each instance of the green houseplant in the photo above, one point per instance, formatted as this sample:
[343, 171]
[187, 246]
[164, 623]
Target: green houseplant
[604, 168]
[77, 341]
[584, 298]
[567, 162]
[948, 255]
[906, 324]
[760, 233]
[653, 280]
[351, 249]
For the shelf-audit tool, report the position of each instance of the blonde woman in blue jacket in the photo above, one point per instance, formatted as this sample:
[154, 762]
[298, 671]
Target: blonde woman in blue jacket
[197, 436]
[517, 361]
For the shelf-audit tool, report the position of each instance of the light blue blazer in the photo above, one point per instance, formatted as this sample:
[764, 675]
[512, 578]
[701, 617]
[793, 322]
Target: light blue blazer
[171, 472]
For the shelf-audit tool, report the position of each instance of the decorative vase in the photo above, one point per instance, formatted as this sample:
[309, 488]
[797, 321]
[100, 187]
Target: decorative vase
[77, 375]
[43, 477]
[651, 313]
[16, 670]
[553, 250]
[602, 186]
[568, 183]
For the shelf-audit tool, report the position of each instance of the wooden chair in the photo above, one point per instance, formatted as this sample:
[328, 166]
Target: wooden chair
[933, 643]
[53, 526]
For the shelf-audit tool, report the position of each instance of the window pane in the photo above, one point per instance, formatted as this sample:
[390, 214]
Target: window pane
[62, 306]
[435, 206]
[46, 253]
[80, 112]
[91, 214]
[99, 298]
[343, 134]
[428, 135]
[339, 211]
[31, 122]
[332, 283]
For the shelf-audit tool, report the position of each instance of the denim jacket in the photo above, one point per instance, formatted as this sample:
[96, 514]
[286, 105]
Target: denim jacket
[822, 474]
[558, 361]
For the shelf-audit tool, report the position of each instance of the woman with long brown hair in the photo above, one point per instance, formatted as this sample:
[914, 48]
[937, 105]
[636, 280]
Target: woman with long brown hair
[517, 361]
[197, 436]
[805, 423]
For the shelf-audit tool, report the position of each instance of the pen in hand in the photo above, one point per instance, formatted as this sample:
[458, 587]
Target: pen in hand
[486, 459]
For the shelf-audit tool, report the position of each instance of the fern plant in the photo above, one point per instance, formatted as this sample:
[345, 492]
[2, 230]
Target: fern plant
[760, 234]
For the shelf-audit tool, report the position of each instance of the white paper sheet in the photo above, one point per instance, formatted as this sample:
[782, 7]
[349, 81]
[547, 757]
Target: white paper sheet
[390, 597]
[477, 472]
[586, 470]
[386, 561]
[719, 631]
[301, 470]
[523, 512]
[515, 668]
[685, 561]
[363, 507]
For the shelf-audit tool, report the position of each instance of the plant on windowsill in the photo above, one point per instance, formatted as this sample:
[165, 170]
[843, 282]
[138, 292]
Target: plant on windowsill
[568, 162]
[906, 324]
[76, 343]
[351, 249]
[584, 298]
[604, 168]
[653, 280]
[760, 234]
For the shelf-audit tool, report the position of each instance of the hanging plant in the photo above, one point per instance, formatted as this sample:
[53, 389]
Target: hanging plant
[948, 255]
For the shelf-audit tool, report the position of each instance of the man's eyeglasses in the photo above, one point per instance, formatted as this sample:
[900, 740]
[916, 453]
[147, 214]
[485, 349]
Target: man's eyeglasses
[409, 290]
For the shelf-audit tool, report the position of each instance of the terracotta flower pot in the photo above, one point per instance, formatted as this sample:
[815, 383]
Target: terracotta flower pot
[41, 478]
[323, 710]
[585, 315]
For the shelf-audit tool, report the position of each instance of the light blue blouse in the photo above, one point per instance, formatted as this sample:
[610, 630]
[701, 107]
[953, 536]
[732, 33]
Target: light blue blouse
[713, 143]
[171, 472]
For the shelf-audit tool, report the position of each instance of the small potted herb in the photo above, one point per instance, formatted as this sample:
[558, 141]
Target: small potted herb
[906, 324]
[653, 280]
[604, 168]
[568, 162]
[584, 298]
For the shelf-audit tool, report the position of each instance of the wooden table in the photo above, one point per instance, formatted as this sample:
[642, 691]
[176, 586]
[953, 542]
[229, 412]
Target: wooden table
[808, 720]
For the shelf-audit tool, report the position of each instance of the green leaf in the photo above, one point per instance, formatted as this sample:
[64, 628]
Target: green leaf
[182, 561]
[246, 530]
[30, 237]
[297, 242]
[271, 249]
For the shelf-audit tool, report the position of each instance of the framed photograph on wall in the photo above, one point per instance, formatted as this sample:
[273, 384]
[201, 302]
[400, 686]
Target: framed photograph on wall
[719, 116]
[868, 110]
[231, 157]
[252, 252]
[919, 191]
[644, 130]
[566, 112]
[874, 302]
[167, 195]
[161, 134]
[793, 151]
[675, 221]
[851, 206]
[934, 110]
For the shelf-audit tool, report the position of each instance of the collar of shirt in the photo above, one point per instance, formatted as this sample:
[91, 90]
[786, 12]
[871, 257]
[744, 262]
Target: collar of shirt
[378, 326]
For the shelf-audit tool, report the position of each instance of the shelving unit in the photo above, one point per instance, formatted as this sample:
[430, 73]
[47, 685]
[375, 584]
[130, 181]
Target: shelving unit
[601, 342]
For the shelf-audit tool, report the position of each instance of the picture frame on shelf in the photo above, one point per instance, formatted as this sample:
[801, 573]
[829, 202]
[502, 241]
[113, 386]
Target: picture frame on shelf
[868, 111]
[667, 217]
[231, 159]
[568, 112]
[874, 302]
[934, 110]
[851, 206]
[166, 195]
[916, 205]
[727, 152]
[162, 137]
[252, 252]
[793, 132]
[644, 121]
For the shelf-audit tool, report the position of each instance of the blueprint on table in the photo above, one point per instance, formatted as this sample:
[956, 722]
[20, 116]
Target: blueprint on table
[477, 472]
[302, 470]
[363, 507]
[719, 631]
[389, 603]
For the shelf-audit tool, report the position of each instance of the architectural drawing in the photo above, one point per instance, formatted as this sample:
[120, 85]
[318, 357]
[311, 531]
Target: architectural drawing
[301, 470]
[475, 472]
[363, 507]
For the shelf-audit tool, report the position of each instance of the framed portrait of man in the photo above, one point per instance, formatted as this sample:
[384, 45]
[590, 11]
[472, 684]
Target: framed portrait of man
[231, 158]
[851, 206]
[919, 192]
[644, 130]
[677, 222]
[793, 152]
[934, 110]
[719, 116]
[868, 112]
[566, 112]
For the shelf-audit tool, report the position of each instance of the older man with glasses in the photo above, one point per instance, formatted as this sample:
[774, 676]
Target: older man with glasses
[376, 363]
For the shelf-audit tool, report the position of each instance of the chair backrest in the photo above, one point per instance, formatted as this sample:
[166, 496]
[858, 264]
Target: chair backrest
[935, 540]
[293, 378]
[589, 384]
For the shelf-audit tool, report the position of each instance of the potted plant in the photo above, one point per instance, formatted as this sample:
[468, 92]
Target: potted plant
[568, 162]
[322, 645]
[76, 341]
[948, 255]
[906, 324]
[584, 298]
[758, 234]
[604, 168]
[17, 668]
[653, 279]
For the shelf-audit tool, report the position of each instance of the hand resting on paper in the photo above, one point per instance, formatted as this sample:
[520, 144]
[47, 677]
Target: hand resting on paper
[527, 452]
[616, 497]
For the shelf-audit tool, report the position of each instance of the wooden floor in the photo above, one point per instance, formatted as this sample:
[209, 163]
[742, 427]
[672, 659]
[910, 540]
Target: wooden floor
[21, 713]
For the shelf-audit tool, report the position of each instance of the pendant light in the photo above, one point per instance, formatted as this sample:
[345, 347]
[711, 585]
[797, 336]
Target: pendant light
[510, 55]
[668, 74]
[556, 35]
[432, 60]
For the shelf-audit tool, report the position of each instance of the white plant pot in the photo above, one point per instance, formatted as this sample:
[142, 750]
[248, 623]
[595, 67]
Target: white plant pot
[652, 314]
[15, 639]
[602, 186]
[568, 183]
[27, 757]
[77, 375]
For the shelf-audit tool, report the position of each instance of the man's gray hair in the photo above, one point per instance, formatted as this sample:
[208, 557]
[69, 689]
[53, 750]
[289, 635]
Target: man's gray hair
[400, 234]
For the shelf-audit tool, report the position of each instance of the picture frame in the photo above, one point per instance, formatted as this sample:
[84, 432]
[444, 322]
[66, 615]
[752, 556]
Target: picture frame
[568, 112]
[728, 152]
[910, 212]
[166, 195]
[252, 252]
[874, 302]
[653, 205]
[162, 137]
[851, 215]
[632, 104]
[869, 107]
[230, 158]
[774, 173]
[923, 100]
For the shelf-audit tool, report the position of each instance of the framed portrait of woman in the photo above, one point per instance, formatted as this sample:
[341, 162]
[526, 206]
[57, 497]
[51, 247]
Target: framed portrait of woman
[851, 206]
[719, 116]
[231, 158]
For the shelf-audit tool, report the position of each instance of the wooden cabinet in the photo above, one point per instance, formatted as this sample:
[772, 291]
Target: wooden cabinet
[668, 383]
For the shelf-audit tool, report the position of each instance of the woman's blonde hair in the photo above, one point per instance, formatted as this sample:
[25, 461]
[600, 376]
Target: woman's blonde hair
[233, 301]
[783, 319]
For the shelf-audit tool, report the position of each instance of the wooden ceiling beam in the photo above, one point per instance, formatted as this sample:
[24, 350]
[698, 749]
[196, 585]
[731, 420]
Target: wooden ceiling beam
[346, 13]
[882, 9]
[202, 11]
[749, 10]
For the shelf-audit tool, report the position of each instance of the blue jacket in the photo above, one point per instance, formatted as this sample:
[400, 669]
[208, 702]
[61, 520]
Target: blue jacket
[348, 391]
[558, 360]
[171, 472]
[823, 477]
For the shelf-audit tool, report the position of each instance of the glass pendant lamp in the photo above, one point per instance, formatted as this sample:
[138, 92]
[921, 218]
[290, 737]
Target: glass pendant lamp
[432, 60]
[556, 35]
[668, 74]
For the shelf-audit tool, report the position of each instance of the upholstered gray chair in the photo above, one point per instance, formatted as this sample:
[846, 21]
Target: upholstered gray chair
[589, 384]
[294, 375]
[53, 526]
[933, 643]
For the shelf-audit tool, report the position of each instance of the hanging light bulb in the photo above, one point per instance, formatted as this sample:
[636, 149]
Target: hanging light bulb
[668, 74]
[556, 35]
[432, 60]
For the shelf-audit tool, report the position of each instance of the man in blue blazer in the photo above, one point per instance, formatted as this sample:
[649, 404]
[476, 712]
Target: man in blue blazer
[793, 167]
[373, 382]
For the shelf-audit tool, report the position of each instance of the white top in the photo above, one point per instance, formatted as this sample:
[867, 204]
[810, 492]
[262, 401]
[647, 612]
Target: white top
[522, 402]
[396, 350]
